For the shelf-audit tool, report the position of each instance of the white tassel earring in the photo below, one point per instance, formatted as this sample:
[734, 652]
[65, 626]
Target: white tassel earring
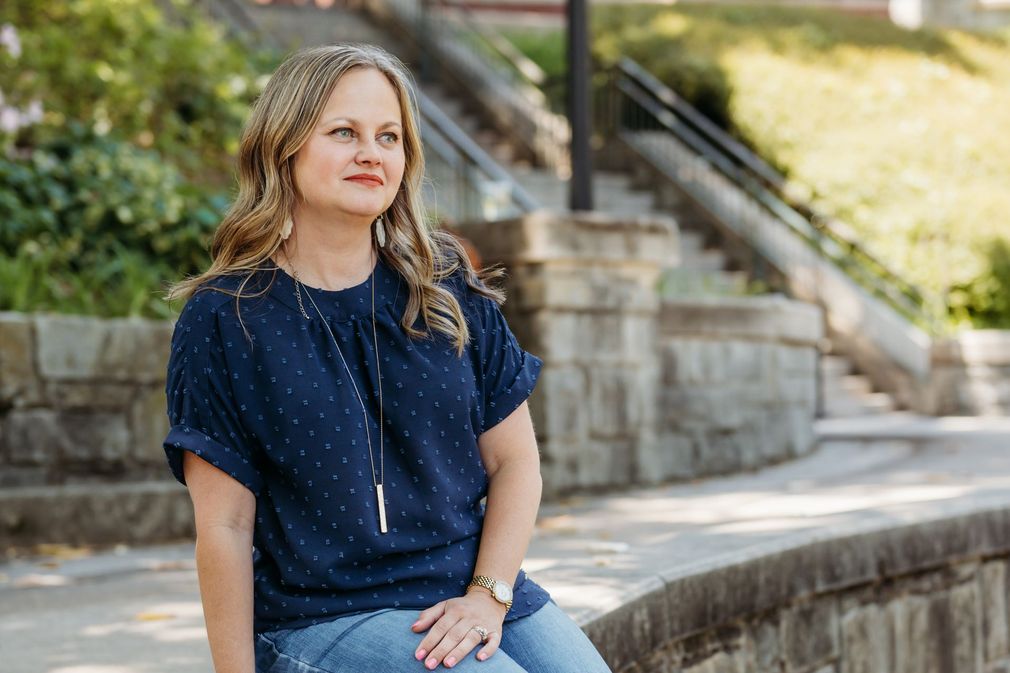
[286, 229]
[380, 232]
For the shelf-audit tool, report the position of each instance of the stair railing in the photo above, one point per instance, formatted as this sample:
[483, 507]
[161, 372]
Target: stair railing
[643, 107]
[880, 320]
[465, 183]
[508, 86]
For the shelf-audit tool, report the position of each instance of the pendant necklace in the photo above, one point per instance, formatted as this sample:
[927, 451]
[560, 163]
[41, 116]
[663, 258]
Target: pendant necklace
[368, 435]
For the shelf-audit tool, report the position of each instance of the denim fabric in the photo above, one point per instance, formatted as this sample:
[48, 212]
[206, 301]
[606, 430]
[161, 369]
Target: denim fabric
[380, 641]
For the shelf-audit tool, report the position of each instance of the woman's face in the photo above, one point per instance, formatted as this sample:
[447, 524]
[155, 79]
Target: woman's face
[359, 132]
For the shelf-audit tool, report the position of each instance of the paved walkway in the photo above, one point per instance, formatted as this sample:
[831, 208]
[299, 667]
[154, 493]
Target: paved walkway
[138, 610]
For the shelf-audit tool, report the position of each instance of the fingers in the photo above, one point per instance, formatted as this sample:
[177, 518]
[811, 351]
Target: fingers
[456, 644]
[429, 617]
[493, 640]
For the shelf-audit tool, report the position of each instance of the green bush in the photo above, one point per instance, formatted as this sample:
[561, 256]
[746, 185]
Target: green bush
[900, 134]
[95, 225]
[116, 189]
[173, 83]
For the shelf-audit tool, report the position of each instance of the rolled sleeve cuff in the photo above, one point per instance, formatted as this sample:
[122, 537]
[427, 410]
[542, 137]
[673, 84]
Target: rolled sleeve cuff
[500, 405]
[230, 461]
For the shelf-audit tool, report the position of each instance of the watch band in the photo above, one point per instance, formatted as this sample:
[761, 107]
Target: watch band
[488, 583]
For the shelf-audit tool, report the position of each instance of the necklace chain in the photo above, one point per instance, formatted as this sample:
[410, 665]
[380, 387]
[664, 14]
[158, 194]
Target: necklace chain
[378, 484]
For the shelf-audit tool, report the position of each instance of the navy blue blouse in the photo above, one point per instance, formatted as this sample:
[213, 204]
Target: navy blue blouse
[279, 416]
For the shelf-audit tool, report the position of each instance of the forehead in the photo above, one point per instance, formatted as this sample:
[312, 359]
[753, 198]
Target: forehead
[363, 94]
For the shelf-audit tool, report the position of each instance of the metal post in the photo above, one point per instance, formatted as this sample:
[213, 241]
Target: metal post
[580, 196]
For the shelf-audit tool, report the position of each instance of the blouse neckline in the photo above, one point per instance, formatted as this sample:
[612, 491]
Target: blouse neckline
[348, 303]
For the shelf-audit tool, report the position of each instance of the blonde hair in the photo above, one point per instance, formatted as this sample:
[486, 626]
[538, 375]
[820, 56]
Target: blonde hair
[280, 123]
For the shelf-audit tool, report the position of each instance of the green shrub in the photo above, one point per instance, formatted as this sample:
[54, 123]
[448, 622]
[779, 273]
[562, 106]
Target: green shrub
[900, 134]
[173, 83]
[95, 225]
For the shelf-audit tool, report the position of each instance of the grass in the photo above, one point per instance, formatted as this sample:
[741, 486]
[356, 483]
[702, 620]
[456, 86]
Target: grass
[901, 134]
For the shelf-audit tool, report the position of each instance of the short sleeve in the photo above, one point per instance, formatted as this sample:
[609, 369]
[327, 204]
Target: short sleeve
[202, 411]
[508, 373]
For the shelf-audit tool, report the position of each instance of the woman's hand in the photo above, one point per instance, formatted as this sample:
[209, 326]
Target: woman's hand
[451, 622]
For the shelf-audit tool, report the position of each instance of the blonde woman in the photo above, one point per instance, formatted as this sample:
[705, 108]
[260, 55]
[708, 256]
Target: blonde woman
[343, 391]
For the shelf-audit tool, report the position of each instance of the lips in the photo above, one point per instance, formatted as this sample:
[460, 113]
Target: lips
[367, 180]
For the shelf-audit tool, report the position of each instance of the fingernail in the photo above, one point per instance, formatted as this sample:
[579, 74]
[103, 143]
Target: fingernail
[482, 656]
[431, 663]
[450, 661]
[419, 654]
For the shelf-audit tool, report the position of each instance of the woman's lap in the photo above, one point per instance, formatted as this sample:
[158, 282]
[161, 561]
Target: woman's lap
[382, 642]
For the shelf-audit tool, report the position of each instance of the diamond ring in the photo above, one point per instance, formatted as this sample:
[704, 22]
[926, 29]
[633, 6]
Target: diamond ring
[481, 631]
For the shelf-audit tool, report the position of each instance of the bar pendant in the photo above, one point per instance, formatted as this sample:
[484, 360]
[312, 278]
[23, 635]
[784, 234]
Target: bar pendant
[382, 508]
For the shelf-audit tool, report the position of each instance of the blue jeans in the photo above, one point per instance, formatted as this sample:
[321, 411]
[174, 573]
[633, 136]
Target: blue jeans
[547, 641]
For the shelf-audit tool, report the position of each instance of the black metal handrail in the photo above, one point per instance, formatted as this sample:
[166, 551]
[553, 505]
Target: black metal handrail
[470, 164]
[670, 113]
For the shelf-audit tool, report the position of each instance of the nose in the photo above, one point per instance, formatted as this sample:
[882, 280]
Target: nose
[368, 154]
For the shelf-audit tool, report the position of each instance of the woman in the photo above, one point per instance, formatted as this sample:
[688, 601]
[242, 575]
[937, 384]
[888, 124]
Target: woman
[343, 391]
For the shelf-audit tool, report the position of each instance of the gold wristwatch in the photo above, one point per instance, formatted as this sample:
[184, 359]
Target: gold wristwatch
[502, 591]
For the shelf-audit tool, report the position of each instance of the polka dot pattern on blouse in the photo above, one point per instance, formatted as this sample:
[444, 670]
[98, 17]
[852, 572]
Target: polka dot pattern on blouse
[281, 417]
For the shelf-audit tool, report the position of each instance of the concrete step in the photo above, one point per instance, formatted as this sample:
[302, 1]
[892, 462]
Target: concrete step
[704, 260]
[681, 282]
[854, 385]
[835, 365]
[874, 403]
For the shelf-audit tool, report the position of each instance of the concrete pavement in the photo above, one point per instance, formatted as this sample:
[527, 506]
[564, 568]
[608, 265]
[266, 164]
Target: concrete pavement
[138, 610]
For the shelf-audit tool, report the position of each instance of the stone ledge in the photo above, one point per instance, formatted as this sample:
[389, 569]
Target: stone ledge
[133, 513]
[757, 318]
[682, 602]
[978, 347]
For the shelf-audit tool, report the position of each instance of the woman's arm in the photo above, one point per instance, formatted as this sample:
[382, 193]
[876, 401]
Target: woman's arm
[510, 455]
[225, 513]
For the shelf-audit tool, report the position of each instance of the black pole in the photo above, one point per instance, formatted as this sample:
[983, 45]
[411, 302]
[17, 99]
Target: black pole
[580, 196]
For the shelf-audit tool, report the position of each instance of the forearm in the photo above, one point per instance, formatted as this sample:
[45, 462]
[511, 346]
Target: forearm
[513, 499]
[224, 567]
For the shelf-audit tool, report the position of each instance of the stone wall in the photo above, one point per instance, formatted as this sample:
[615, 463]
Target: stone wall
[971, 374]
[632, 392]
[972, 14]
[738, 384]
[930, 597]
[81, 399]
[635, 392]
[82, 418]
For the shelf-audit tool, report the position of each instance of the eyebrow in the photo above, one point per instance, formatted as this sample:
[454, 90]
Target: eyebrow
[355, 121]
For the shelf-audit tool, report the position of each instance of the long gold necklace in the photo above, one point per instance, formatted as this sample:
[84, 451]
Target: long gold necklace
[375, 340]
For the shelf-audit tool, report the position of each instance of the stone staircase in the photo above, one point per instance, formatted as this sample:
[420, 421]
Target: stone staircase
[702, 268]
[847, 394]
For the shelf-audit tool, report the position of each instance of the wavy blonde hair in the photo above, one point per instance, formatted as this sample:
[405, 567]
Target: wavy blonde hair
[280, 123]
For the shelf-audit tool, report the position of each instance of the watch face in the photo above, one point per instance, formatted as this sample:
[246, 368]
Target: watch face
[502, 592]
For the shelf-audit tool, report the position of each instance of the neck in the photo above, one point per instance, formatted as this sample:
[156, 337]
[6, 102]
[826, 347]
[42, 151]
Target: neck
[328, 260]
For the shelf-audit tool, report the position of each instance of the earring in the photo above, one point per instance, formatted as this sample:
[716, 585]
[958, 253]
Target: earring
[286, 229]
[380, 232]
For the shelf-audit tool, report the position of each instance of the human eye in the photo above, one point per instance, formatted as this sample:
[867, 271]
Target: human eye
[392, 136]
[337, 131]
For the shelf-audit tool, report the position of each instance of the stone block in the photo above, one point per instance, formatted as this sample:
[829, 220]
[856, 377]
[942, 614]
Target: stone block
[58, 439]
[995, 610]
[148, 425]
[561, 411]
[809, 634]
[19, 381]
[720, 662]
[89, 395]
[866, 640]
[132, 513]
[937, 633]
[615, 402]
[78, 348]
[31, 437]
[93, 440]
[669, 456]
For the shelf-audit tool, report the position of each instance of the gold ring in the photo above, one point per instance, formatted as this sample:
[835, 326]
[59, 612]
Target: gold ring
[481, 631]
